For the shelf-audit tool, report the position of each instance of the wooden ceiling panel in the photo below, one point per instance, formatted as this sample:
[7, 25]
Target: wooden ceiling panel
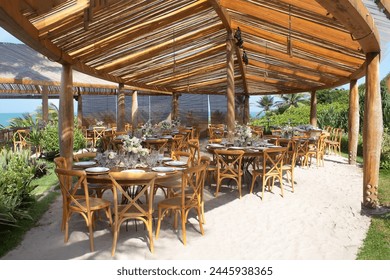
[291, 45]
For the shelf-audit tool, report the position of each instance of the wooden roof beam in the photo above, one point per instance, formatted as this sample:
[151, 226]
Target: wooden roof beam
[190, 87]
[156, 49]
[293, 73]
[297, 44]
[298, 25]
[299, 62]
[198, 55]
[267, 80]
[188, 75]
[135, 31]
[357, 19]
[52, 20]
[226, 20]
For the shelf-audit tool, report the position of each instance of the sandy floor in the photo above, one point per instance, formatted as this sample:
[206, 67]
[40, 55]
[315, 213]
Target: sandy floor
[321, 220]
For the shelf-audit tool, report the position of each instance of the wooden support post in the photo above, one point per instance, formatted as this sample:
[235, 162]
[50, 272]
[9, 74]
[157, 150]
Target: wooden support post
[45, 104]
[230, 118]
[66, 114]
[120, 118]
[175, 106]
[313, 109]
[372, 132]
[246, 110]
[134, 111]
[79, 109]
[353, 122]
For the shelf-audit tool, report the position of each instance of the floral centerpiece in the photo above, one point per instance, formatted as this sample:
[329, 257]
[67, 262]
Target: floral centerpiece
[175, 123]
[99, 123]
[165, 125]
[287, 131]
[243, 133]
[133, 145]
[148, 130]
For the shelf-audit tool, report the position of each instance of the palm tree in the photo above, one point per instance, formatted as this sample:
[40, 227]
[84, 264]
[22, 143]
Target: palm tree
[292, 100]
[53, 112]
[265, 103]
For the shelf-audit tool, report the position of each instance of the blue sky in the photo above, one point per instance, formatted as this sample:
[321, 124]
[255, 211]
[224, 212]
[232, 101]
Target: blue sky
[29, 105]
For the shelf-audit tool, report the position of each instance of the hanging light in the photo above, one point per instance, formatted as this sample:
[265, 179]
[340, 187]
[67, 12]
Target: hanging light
[237, 36]
[245, 58]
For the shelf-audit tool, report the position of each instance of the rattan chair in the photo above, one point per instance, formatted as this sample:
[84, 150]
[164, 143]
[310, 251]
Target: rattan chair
[229, 166]
[127, 207]
[270, 169]
[84, 205]
[190, 197]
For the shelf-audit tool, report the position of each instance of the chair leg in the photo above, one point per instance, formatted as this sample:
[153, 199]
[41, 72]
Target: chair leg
[150, 231]
[90, 227]
[158, 222]
[183, 226]
[200, 222]
[253, 182]
[114, 239]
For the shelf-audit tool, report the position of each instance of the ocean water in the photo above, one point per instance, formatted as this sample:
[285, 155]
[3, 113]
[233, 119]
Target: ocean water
[6, 117]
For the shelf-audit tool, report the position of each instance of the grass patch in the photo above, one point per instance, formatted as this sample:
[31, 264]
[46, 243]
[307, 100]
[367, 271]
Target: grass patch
[46, 182]
[12, 236]
[376, 246]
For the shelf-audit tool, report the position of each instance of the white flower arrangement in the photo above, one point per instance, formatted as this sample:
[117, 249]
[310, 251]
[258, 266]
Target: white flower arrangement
[99, 123]
[148, 130]
[133, 145]
[243, 132]
[165, 125]
[176, 123]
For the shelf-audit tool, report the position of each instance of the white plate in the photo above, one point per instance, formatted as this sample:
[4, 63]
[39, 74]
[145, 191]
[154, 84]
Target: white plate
[236, 148]
[176, 163]
[166, 159]
[166, 137]
[133, 171]
[151, 138]
[216, 145]
[84, 163]
[180, 168]
[163, 169]
[97, 169]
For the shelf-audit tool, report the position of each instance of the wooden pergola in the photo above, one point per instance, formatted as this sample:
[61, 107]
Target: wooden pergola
[241, 47]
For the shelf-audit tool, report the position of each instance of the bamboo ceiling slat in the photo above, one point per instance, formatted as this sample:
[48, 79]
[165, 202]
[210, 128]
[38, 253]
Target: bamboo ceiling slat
[172, 46]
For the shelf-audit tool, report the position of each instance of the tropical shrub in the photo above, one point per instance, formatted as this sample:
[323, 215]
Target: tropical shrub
[385, 152]
[16, 173]
[50, 138]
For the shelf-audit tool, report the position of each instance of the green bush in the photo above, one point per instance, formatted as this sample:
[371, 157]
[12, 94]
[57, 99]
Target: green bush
[385, 152]
[334, 114]
[50, 139]
[16, 173]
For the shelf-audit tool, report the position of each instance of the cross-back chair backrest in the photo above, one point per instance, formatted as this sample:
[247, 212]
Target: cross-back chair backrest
[144, 182]
[302, 146]
[99, 131]
[156, 144]
[20, 138]
[177, 141]
[229, 163]
[61, 162]
[216, 132]
[273, 161]
[182, 156]
[70, 182]
[194, 149]
[289, 145]
[192, 184]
